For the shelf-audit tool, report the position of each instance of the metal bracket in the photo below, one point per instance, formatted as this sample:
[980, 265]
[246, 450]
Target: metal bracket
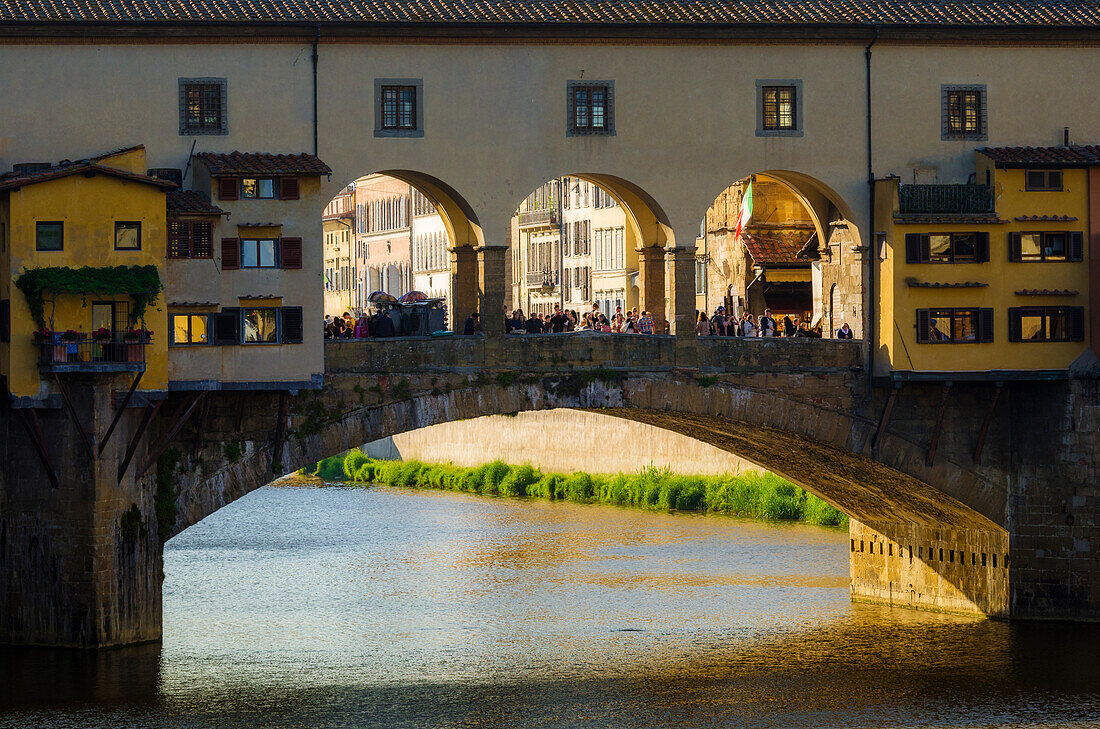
[118, 413]
[150, 412]
[938, 428]
[84, 437]
[985, 423]
[34, 432]
[179, 420]
[885, 420]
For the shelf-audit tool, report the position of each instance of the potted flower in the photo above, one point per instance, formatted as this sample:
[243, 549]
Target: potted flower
[135, 340]
[101, 339]
[69, 347]
[47, 341]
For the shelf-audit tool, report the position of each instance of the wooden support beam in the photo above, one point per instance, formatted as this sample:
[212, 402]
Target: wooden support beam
[162, 444]
[118, 413]
[84, 437]
[280, 433]
[34, 432]
[885, 420]
[150, 413]
[985, 423]
[938, 428]
[238, 416]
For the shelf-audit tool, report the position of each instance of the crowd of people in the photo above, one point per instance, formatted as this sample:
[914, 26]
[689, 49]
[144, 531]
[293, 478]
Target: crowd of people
[718, 324]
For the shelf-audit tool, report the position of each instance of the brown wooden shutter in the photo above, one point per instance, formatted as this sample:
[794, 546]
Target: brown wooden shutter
[1015, 252]
[981, 247]
[1076, 323]
[288, 188]
[292, 325]
[1014, 325]
[228, 188]
[1076, 246]
[924, 325]
[912, 248]
[985, 325]
[231, 254]
[291, 253]
[227, 327]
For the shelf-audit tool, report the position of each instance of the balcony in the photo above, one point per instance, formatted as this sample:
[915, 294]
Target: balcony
[945, 200]
[543, 279]
[88, 355]
[535, 218]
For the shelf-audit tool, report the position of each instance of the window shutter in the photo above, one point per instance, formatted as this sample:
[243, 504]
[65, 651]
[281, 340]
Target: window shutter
[228, 188]
[1076, 323]
[1076, 246]
[924, 325]
[227, 327]
[288, 188]
[981, 247]
[925, 248]
[231, 254]
[1014, 326]
[292, 325]
[1014, 247]
[291, 253]
[5, 320]
[912, 247]
[985, 325]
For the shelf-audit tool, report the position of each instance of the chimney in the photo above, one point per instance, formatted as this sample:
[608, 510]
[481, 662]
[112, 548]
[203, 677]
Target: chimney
[1065, 137]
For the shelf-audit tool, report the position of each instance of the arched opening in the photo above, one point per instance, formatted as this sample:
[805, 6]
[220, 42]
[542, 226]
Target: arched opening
[781, 242]
[592, 246]
[396, 232]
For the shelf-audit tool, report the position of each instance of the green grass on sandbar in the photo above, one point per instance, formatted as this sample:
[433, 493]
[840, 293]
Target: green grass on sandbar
[751, 494]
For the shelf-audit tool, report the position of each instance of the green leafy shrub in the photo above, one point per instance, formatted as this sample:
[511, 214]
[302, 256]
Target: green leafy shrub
[518, 480]
[353, 459]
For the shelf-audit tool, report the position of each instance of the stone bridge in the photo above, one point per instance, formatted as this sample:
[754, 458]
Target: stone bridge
[974, 497]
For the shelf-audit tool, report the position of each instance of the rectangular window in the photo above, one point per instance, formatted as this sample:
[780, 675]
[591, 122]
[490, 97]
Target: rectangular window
[262, 188]
[1046, 324]
[954, 326]
[1056, 246]
[202, 106]
[590, 108]
[1043, 180]
[969, 247]
[964, 112]
[127, 236]
[260, 253]
[779, 107]
[49, 236]
[399, 107]
[188, 329]
[261, 326]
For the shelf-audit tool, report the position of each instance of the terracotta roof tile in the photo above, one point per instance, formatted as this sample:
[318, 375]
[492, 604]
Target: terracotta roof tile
[1012, 13]
[11, 180]
[1046, 292]
[190, 202]
[1071, 156]
[259, 163]
[779, 248]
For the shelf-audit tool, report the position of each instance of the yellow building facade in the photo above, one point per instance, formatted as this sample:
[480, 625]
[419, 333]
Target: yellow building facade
[987, 276]
[103, 213]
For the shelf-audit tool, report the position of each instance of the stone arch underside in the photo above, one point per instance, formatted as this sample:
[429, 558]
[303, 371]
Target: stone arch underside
[812, 443]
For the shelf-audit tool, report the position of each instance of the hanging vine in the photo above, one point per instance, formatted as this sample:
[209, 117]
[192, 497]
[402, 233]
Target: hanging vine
[142, 283]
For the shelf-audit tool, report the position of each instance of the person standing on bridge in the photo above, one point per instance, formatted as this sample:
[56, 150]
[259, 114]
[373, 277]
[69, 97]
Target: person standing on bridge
[702, 324]
[767, 324]
[845, 331]
[473, 324]
[645, 323]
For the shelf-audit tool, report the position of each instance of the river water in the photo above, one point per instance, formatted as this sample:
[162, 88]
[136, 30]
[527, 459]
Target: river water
[310, 607]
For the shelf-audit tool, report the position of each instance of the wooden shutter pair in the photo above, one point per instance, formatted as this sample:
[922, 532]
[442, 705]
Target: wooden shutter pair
[227, 327]
[1075, 247]
[290, 253]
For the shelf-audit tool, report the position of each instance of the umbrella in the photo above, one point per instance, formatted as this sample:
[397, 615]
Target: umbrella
[413, 297]
[381, 297]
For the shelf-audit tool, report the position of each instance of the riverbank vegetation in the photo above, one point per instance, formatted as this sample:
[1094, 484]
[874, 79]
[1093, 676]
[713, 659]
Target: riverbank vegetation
[751, 494]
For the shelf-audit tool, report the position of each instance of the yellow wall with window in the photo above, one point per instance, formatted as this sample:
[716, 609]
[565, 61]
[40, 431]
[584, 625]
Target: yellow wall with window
[88, 208]
[999, 279]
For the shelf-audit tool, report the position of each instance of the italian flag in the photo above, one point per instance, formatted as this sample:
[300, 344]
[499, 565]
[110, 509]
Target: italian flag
[745, 214]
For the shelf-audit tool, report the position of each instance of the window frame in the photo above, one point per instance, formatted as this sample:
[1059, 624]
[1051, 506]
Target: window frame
[1073, 246]
[278, 325]
[984, 324]
[1046, 187]
[222, 127]
[607, 129]
[947, 131]
[60, 235]
[417, 84]
[1074, 319]
[274, 188]
[124, 223]
[172, 342]
[762, 85]
[275, 250]
[981, 248]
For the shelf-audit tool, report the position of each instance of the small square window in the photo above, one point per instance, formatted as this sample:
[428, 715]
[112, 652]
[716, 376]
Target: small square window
[398, 107]
[202, 106]
[590, 106]
[258, 253]
[779, 108]
[49, 236]
[1043, 180]
[127, 236]
[964, 112]
[190, 329]
[261, 326]
[261, 188]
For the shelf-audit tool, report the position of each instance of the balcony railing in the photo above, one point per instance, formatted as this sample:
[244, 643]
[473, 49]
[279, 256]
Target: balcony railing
[545, 279]
[945, 200]
[88, 355]
[537, 217]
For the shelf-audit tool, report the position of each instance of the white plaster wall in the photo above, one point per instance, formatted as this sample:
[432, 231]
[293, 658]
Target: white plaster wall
[559, 441]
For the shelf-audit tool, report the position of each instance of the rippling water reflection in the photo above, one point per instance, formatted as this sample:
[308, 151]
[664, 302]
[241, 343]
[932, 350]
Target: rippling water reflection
[392, 608]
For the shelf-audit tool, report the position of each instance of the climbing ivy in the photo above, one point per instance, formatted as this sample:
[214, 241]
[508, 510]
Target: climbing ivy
[140, 282]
